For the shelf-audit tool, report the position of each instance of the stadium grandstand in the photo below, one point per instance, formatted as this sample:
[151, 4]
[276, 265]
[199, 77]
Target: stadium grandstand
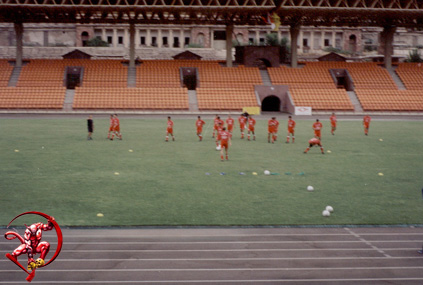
[147, 66]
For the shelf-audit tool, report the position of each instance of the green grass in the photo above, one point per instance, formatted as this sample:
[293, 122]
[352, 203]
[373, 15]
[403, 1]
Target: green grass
[162, 183]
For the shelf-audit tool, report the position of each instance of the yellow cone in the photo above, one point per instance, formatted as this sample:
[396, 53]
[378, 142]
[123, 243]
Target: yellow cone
[16, 150]
[117, 173]
[100, 215]
[380, 174]
[131, 150]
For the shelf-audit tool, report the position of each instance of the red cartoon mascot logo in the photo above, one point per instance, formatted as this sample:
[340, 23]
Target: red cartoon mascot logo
[32, 244]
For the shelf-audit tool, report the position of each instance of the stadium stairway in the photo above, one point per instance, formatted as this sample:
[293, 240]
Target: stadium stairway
[132, 77]
[396, 79]
[354, 100]
[15, 76]
[265, 77]
[192, 100]
[70, 94]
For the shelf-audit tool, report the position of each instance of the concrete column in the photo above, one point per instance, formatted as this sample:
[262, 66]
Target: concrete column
[159, 38]
[388, 39]
[132, 45]
[312, 40]
[300, 40]
[170, 40]
[103, 35]
[334, 39]
[257, 37]
[294, 31]
[322, 41]
[182, 38]
[137, 38]
[114, 41]
[125, 38]
[229, 31]
[148, 38]
[211, 38]
[19, 29]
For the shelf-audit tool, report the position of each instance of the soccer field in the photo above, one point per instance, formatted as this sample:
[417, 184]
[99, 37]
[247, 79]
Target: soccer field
[49, 166]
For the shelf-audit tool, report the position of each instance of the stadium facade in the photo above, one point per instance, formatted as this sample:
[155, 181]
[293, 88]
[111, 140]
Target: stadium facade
[46, 40]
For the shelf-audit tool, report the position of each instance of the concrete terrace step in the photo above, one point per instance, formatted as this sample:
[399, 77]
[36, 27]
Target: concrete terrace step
[265, 78]
[13, 80]
[355, 101]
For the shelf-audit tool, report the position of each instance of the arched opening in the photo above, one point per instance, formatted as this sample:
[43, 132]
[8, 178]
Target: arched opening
[271, 104]
[352, 43]
[262, 63]
[84, 38]
[200, 39]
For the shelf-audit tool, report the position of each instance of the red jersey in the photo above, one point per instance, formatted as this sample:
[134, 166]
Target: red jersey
[199, 123]
[230, 122]
[291, 124]
[367, 119]
[224, 136]
[333, 120]
[251, 122]
[116, 122]
[217, 122]
[317, 126]
[273, 125]
[169, 124]
[314, 141]
[112, 121]
[242, 120]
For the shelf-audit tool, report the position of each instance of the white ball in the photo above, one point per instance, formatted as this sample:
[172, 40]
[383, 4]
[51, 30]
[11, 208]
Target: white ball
[310, 188]
[266, 172]
[329, 208]
[218, 147]
[325, 213]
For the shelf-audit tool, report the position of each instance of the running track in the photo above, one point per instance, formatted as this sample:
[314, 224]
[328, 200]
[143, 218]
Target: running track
[357, 255]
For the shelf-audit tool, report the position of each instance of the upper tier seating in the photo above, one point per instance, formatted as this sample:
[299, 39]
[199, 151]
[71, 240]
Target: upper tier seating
[5, 72]
[32, 98]
[131, 98]
[411, 75]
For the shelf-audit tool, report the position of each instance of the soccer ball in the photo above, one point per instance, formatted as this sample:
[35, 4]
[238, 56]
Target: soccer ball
[325, 213]
[310, 188]
[329, 208]
[266, 172]
[218, 147]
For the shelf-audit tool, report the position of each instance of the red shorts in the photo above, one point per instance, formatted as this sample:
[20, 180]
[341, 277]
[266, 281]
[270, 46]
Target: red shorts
[251, 128]
[291, 131]
[317, 133]
[230, 128]
[271, 130]
[170, 130]
[116, 129]
[199, 130]
[333, 125]
[224, 145]
[366, 125]
[111, 129]
[242, 126]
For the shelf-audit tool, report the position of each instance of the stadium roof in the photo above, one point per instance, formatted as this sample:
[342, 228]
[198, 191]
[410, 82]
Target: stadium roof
[400, 13]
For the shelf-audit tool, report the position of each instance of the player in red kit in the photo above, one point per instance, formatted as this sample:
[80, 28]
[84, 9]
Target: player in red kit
[242, 122]
[333, 121]
[317, 127]
[220, 127]
[366, 124]
[217, 121]
[109, 135]
[230, 123]
[200, 123]
[169, 130]
[251, 127]
[225, 142]
[314, 142]
[291, 130]
[272, 128]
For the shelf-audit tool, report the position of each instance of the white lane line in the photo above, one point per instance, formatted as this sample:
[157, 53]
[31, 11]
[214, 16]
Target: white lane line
[141, 236]
[222, 281]
[369, 243]
[223, 269]
[234, 259]
[240, 242]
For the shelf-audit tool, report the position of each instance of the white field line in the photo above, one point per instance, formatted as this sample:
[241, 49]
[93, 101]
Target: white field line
[226, 269]
[220, 281]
